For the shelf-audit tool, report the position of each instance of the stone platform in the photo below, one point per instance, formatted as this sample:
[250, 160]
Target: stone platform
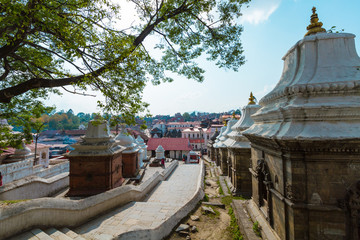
[157, 215]
[152, 216]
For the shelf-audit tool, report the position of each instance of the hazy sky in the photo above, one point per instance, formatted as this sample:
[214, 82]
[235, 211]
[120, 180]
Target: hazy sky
[271, 27]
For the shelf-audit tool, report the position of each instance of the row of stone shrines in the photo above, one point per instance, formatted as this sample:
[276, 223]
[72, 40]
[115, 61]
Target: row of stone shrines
[303, 167]
[100, 162]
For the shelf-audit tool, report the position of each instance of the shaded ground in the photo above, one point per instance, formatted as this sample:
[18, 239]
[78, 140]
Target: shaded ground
[209, 226]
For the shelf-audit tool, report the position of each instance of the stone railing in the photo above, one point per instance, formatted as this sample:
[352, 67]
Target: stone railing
[34, 187]
[18, 170]
[59, 212]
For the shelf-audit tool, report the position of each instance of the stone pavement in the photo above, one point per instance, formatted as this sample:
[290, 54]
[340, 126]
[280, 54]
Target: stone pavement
[162, 203]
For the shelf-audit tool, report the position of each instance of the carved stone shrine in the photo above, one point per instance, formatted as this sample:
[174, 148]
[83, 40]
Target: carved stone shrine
[306, 141]
[96, 162]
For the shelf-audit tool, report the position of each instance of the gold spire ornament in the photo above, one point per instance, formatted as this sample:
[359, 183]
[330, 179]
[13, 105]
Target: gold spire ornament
[315, 26]
[233, 115]
[251, 99]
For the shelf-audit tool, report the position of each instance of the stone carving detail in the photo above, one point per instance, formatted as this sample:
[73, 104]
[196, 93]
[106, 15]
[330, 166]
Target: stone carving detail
[310, 88]
[291, 192]
[353, 204]
[259, 167]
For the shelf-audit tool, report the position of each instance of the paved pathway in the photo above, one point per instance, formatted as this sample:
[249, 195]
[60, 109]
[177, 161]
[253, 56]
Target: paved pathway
[166, 199]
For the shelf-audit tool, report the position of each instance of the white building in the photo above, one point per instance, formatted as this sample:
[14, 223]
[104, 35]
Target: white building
[197, 136]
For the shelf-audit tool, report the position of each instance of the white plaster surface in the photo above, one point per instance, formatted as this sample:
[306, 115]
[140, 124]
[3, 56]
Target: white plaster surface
[160, 152]
[127, 141]
[235, 137]
[224, 136]
[318, 95]
[18, 170]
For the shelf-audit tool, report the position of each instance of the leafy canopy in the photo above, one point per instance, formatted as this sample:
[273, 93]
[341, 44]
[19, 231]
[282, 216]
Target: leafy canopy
[80, 43]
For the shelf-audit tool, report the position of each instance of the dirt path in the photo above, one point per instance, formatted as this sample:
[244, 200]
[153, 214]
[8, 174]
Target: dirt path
[209, 226]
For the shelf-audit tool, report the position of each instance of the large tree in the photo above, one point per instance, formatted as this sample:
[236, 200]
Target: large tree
[81, 43]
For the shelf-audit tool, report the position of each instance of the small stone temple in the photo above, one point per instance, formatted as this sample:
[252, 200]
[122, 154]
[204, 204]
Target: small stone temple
[305, 141]
[239, 152]
[223, 156]
[96, 162]
[216, 149]
[21, 154]
[143, 150]
[130, 156]
[210, 147]
[227, 141]
[160, 154]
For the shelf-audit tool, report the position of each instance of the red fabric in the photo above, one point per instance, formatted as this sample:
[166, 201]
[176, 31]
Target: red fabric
[174, 144]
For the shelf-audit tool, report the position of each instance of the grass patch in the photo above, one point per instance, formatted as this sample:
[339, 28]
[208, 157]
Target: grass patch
[234, 228]
[257, 228]
[221, 192]
[228, 189]
[206, 198]
[227, 200]
[8, 202]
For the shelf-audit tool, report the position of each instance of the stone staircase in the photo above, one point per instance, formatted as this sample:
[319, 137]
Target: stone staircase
[49, 234]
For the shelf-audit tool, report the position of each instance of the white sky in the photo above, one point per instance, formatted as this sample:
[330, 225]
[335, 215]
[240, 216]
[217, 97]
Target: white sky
[271, 27]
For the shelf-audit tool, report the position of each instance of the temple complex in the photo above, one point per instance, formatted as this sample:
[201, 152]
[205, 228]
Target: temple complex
[216, 149]
[305, 141]
[239, 152]
[143, 150]
[130, 156]
[96, 162]
[223, 153]
[210, 147]
[294, 156]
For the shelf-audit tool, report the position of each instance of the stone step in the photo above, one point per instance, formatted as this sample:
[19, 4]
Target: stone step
[56, 234]
[220, 205]
[34, 234]
[224, 186]
[212, 172]
[71, 234]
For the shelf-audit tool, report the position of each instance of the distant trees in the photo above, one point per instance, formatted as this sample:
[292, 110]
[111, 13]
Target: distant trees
[186, 116]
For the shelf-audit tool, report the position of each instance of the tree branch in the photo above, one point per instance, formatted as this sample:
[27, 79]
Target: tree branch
[8, 93]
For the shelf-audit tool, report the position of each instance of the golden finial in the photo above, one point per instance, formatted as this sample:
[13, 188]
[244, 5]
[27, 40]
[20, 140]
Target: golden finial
[233, 115]
[225, 123]
[315, 26]
[251, 99]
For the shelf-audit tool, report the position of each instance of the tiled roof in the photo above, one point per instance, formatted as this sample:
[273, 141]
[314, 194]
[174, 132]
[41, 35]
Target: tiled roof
[169, 144]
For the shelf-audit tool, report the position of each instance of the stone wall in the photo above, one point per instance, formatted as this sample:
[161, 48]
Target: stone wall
[58, 212]
[34, 187]
[18, 170]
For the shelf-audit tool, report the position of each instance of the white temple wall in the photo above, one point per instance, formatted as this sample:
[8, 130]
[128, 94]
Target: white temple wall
[18, 170]
[35, 187]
